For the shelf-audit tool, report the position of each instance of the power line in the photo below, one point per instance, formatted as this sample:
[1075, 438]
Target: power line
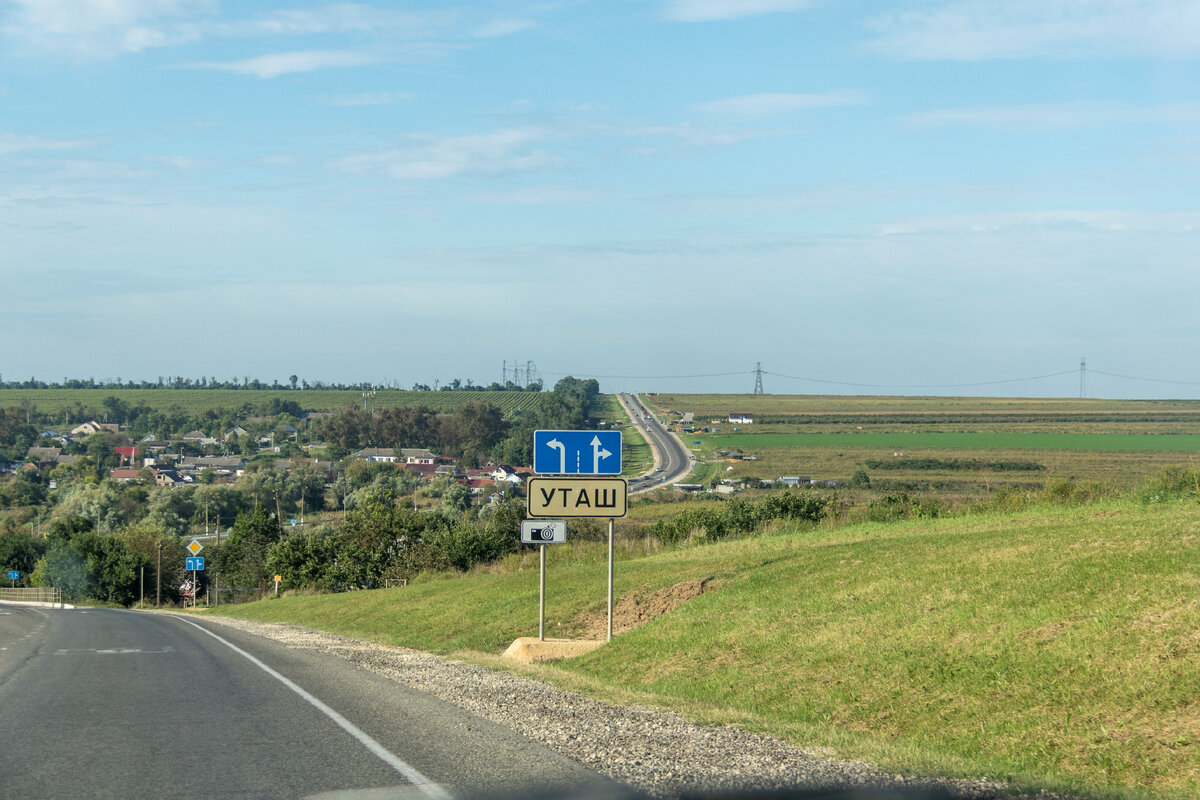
[649, 377]
[1148, 380]
[758, 372]
[923, 385]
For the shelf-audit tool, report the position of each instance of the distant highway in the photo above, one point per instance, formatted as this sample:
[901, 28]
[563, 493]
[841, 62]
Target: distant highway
[102, 703]
[672, 462]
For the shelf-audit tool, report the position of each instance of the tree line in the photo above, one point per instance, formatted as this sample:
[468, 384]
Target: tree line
[294, 382]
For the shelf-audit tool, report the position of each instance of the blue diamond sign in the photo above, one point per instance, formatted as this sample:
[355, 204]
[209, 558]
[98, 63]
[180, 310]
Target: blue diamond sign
[577, 452]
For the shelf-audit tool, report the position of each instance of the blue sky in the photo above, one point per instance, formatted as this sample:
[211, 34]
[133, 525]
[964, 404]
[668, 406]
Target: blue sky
[931, 197]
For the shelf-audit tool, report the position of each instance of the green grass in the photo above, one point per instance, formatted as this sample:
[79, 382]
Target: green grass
[56, 401]
[956, 441]
[1053, 648]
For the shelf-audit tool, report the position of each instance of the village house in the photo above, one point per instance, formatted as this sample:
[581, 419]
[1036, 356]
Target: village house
[88, 428]
[384, 454]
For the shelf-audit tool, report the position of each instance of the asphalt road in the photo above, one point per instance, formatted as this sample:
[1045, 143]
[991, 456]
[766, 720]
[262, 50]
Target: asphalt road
[105, 703]
[671, 458]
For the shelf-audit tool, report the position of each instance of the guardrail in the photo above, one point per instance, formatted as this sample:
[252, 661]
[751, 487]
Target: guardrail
[36, 594]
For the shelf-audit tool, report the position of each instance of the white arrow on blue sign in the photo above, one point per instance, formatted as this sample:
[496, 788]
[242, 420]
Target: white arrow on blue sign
[13, 574]
[577, 452]
[194, 563]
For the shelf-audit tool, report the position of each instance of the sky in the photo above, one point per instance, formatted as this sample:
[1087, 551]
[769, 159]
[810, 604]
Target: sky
[941, 197]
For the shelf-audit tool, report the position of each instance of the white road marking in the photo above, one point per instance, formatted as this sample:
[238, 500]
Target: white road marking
[394, 761]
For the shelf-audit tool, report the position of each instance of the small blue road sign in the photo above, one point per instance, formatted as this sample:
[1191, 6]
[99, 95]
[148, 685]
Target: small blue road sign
[195, 563]
[14, 574]
[577, 452]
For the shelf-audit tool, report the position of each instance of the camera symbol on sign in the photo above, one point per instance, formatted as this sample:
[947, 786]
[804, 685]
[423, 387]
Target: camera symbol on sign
[543, 532]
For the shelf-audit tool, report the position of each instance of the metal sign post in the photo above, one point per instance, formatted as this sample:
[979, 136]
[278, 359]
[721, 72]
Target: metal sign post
[543, 532]
[610, 578]
[542, 593]
[577, 453]
[195, 564]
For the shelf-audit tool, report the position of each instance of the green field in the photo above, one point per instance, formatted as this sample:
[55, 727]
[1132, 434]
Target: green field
[56, 401]
[1051, 648]
[1113, 443]
[1150, 442]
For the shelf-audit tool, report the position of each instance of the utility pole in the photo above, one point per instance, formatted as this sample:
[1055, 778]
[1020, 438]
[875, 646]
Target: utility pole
[217, 575]
[758, 387]
[1082, 376]
[158, 578]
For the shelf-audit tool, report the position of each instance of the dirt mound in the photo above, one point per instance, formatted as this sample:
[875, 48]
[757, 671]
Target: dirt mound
[636, 610]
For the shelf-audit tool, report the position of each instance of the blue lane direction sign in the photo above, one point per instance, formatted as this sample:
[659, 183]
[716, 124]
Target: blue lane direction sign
[577, 452]
[14, 574]
[195, 563]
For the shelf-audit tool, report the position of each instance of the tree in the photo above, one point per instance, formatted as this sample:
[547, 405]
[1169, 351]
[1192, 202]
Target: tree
[19, 551]
[473, 427]
[26, 488]
[101, 450]
[406, 426]
[377, 534]
[85, 564]
[305, 484]
[170, 509]
[150, 545]
[17, 435]
[241, 560]
[859, 480]
[217, 506]
[348, 428]
[456, 498]
[101, 504]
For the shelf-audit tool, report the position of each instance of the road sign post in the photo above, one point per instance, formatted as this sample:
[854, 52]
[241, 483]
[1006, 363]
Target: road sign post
[195, 564]
[594, 453]
[12, 576]
[542, 532]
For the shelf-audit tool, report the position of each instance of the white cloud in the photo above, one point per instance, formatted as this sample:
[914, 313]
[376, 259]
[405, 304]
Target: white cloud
[104, 27]
[500, 152]
[273, 65]
[1094, 220]
[714, 10]
[770, 103]
[18, 143]
[501, 27]
[542, 196]
[971, 30]
[1043, 116]
[178, 162]
[691, 136]
[369, 99]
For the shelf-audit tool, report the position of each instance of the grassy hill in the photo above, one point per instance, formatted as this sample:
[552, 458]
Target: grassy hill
[1055, 647]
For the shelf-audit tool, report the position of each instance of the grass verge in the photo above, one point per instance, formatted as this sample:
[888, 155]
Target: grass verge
[1055, 647]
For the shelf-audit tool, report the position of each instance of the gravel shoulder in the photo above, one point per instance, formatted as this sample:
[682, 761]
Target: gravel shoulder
[654, 752]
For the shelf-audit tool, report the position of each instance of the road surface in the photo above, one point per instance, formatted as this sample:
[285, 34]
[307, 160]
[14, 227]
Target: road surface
[672, 461]
[105, 703]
